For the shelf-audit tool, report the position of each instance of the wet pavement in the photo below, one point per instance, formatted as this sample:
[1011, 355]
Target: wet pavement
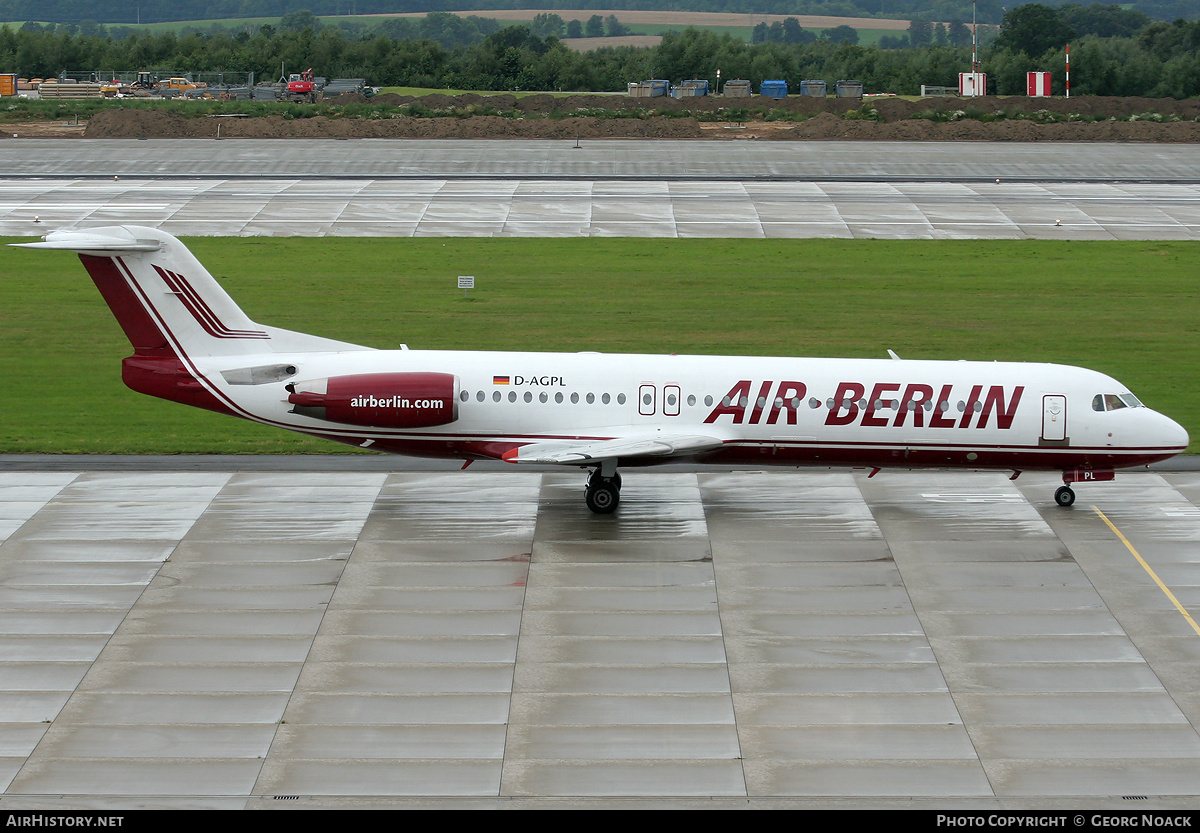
[220, 638]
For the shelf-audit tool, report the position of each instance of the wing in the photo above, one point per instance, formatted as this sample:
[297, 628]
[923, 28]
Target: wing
[584, 452]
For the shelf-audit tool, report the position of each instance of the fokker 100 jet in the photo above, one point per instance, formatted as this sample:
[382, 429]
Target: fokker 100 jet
[193, 344]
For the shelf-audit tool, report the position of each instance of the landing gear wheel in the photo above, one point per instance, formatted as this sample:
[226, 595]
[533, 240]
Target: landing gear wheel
[602, 495]
[1065, 496]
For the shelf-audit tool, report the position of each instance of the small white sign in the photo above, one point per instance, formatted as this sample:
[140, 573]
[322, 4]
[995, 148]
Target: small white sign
[466, 281]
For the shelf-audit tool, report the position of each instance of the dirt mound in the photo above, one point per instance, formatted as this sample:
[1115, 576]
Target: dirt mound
[141, 124]
[147, 124]
[1013, 119]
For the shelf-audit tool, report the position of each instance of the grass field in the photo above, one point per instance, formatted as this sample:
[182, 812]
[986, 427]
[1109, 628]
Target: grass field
[1124, 308]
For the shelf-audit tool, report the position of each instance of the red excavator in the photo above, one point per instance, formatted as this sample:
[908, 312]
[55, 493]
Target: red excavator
[300, 87]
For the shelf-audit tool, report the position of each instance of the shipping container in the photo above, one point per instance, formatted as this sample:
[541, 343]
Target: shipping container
[737, 88]
[773, 89]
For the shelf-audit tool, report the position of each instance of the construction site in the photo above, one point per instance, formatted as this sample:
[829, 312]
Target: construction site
[168, 84]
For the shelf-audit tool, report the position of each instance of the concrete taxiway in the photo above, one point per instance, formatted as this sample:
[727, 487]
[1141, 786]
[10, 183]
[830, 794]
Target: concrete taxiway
[605, 188]
[230, 638]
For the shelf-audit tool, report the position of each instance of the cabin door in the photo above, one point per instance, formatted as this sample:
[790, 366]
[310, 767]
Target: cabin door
[1054, 418]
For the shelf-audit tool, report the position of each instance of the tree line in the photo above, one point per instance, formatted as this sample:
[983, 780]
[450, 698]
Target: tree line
[1158, 59]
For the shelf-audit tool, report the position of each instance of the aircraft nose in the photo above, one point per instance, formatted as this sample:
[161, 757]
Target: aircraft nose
[1170, 433]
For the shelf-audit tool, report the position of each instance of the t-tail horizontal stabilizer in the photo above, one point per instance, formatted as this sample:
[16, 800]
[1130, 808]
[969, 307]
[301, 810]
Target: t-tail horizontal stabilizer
[167, 302]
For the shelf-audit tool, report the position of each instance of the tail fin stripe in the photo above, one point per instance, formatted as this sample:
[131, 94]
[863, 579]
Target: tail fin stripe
[200, 310]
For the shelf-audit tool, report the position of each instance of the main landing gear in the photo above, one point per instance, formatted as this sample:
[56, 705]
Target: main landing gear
[603, 491]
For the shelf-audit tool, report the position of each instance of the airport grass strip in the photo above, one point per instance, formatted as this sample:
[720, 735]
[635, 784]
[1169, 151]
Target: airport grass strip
[1124, 308]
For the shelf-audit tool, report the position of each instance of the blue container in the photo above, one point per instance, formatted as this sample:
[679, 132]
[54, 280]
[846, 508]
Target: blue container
[773, 89]
[701, 85]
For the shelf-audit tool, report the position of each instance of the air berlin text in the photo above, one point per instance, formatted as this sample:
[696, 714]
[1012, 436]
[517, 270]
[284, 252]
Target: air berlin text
[888, 404]
[394, 402]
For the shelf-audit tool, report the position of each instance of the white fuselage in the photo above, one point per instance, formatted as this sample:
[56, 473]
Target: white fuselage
[795, 410]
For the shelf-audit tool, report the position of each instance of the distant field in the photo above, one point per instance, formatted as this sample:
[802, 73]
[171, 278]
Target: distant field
[680, 20]
[866, 37]
[590, 44]
[1124, 308]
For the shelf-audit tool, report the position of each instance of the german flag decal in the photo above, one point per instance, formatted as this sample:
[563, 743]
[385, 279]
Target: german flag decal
[499, 380]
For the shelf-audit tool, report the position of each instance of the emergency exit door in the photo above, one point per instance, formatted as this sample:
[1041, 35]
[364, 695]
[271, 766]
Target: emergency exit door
[647, 400]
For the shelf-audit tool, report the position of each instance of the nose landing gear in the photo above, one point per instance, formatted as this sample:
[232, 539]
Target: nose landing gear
[1065, 495]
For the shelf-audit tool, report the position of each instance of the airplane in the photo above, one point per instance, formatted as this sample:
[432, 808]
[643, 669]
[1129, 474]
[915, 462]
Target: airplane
[192, 344]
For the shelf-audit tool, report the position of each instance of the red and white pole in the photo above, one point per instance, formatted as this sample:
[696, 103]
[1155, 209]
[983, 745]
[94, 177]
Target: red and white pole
[1068, 70]
[974, 40]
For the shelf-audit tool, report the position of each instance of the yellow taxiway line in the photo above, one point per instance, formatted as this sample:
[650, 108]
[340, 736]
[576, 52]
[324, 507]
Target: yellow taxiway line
[1147, 568]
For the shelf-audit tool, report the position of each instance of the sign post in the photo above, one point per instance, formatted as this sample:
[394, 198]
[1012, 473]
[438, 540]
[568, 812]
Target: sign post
[466, 283]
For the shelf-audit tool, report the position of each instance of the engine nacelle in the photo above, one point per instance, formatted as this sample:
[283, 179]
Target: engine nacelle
[386, 400]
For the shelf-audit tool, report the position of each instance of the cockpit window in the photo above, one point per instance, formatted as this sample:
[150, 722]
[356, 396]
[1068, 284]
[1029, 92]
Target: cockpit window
[1114, 401]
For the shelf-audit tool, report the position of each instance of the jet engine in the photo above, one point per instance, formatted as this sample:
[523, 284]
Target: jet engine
[386, 400]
